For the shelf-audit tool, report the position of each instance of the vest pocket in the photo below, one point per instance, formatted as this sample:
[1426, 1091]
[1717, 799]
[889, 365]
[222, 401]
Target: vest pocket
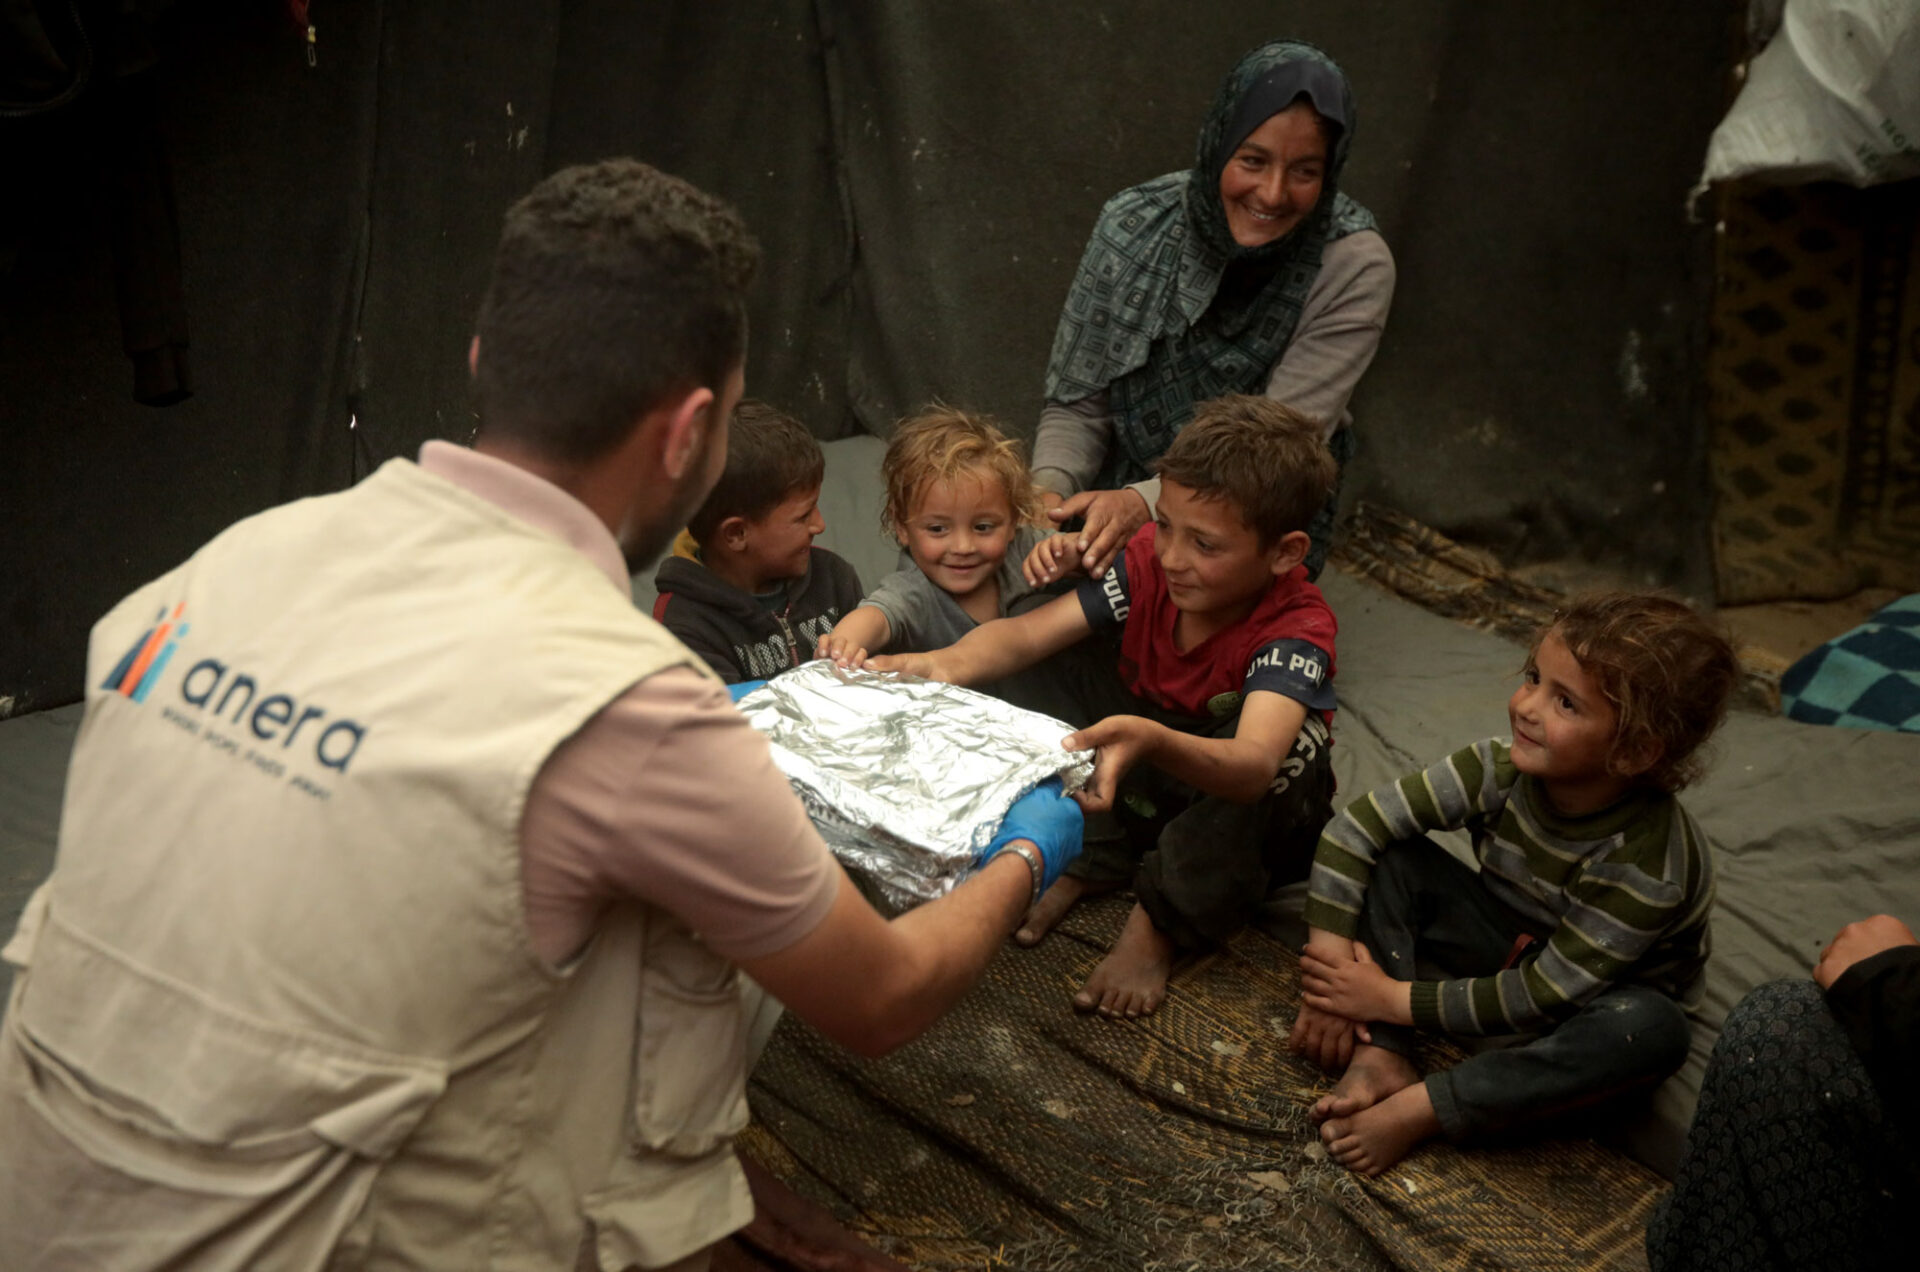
[177, 1064]
[185, 1126]
[690, 1065]
[656, 1210]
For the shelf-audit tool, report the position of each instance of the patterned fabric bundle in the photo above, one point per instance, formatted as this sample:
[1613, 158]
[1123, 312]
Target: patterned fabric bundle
[1866, 679]
[1166, 309]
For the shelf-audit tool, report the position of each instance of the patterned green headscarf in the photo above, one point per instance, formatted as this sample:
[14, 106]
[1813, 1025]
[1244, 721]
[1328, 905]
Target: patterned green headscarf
[1166, 309]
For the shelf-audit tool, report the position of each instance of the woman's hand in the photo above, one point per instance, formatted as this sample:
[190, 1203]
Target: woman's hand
[1054, 557]
[1118, 743]
[1111, 517]
[1359, 990]
[1860, 939]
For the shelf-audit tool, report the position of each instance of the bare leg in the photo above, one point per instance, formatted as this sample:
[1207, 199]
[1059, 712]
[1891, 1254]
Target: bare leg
[1054, 904]
[1375, 1138]
[1132, 979]
[1375, 1074]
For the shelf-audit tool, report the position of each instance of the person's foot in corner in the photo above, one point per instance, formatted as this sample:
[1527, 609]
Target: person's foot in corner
[1374, 1074]
[1131, 981]
[1375, 1138]
[1054, 904]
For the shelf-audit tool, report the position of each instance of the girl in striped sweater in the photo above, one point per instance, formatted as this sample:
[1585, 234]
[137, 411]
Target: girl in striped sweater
[1584, 931]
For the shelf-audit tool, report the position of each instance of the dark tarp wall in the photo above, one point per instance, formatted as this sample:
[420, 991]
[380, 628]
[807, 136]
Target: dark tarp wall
[465, 102]
[923, 178]
[735, 97]
[269, 171]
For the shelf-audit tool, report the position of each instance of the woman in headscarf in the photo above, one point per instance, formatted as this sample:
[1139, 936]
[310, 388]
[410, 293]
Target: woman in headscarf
[1251, 273]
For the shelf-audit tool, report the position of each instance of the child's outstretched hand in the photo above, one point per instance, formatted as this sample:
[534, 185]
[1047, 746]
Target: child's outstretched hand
[1118, 743]
[843, 651]
[1054, 557]
[1359, 990]
[925, 666]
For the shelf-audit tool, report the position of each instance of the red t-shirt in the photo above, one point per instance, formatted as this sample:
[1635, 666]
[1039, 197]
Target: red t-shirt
[1285, 646]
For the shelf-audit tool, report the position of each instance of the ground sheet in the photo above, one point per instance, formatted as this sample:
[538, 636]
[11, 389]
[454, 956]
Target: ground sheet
[1018, 1134]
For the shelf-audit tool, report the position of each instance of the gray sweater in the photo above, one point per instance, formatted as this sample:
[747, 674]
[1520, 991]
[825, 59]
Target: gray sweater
[920, 616]
[1332, 346]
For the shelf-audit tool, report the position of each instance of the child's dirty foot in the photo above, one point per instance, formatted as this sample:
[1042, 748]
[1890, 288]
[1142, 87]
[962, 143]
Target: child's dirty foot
[1374, 1074]
[1053, 906]
[1131, 981]
[1375, 1138]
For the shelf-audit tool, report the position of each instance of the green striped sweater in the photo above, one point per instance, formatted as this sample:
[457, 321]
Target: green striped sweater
[1626, 891]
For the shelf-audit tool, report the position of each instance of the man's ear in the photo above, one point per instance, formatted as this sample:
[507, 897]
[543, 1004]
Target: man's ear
[1289, 551]
[688, 422]
[473, 357]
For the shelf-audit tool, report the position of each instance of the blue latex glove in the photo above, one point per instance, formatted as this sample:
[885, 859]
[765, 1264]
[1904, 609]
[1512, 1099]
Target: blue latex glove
[745, 687]
[1048, 818]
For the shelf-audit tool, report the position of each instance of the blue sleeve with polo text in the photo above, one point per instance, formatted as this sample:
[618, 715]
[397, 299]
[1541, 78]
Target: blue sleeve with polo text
[1105, 600]
[1294, 669]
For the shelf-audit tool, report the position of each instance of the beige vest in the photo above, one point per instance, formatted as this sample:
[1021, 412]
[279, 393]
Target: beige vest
[277, 1007]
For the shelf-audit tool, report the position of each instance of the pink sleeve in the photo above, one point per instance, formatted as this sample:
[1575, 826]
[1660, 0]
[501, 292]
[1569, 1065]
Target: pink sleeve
[669, 796]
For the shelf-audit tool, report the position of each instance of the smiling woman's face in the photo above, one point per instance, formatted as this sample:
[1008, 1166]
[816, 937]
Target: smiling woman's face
[1272, 182]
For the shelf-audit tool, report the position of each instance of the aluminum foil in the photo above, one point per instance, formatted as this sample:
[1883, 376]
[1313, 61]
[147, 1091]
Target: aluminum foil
[906, 779]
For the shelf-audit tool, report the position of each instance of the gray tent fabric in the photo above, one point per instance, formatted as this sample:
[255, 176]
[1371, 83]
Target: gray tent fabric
[924, 178]
[33, 774]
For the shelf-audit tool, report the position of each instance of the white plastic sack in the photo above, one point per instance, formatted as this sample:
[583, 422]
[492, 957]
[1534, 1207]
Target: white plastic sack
[1835, 95]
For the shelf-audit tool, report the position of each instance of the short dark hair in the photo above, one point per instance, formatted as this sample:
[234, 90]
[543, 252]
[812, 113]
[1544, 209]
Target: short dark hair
[1667, 670]
[1265, 458]
[614, 287]
[770, 458]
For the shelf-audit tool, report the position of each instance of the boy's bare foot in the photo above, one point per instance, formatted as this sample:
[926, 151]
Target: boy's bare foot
[1374, 1074]
[1375, 1138]
[1131, 980]
[1054, 904]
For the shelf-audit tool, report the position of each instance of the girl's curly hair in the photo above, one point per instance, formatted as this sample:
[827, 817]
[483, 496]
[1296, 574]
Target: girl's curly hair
[1668, 671]
[939, 444]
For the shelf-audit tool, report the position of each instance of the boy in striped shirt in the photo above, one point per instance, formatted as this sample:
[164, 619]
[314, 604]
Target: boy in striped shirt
[1586, 927]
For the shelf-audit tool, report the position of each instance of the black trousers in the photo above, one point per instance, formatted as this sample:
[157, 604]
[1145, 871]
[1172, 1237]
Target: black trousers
[1428, 917]
[1199, 865]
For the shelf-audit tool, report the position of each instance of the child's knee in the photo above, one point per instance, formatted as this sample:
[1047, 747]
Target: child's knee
[1655, 1026]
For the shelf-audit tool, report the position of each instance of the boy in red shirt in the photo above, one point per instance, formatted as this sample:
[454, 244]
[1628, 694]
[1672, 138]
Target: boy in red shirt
[1212, 747]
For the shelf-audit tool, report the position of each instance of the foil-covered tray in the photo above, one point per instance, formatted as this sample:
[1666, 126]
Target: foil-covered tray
[907, 779]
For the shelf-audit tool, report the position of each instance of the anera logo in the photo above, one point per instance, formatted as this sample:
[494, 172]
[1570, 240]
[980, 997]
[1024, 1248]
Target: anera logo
[335, 741]
[135, 674]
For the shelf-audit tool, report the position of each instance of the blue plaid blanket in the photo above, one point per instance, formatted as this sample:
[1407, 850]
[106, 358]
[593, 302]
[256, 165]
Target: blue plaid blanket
[1867, 679]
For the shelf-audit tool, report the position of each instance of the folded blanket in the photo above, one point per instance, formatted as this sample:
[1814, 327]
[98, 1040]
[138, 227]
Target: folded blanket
[1868, 678]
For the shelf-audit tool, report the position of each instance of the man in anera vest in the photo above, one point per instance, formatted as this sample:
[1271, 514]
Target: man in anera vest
[407, 873]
